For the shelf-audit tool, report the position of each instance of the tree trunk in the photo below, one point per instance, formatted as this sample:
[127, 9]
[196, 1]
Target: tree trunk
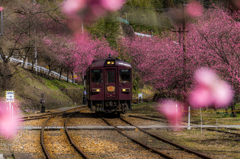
[60, 74]
[32, 66]
[82, 76]
[49, 71]
[67, 76]
[72, 76]
[233, 109]
[24, 60]
[226, 111]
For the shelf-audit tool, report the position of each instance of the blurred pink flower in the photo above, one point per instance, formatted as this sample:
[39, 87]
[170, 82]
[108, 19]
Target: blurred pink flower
[112, 5]
[200, 97]
[71, 7]
[194, 9]
[1, 8]
[205, 76]
[210, 90]
[97, 11]
[79, 11]
[8, 122]
[222, 94]
[171, 109]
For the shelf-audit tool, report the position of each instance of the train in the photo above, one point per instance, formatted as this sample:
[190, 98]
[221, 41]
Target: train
[109, 85]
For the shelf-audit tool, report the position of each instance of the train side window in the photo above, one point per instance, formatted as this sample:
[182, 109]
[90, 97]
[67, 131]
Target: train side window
[124, 75]
[111, 76]
[96, 76]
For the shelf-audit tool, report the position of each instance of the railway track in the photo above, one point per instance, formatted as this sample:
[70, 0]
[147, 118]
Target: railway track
[43, 136]
[161, 119]
[42, 116]
[136, 141]
[169, 142]
[187, 152]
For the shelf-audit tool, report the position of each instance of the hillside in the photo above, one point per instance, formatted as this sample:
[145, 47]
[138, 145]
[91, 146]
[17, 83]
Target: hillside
[28, 88]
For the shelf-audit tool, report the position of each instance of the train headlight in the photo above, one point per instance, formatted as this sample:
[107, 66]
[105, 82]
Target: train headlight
[96, 90]
[125, 89]
[110, 62]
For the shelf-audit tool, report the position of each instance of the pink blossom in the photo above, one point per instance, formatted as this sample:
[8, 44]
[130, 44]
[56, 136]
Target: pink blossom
[194, 9]
[210, 90]
[97, 11]
[1, 8]
[201, 97]
[205, 76]
[171, 109]
[9, 121]
[79, 11]
[222, 94]
[71, 7]
[112, 5]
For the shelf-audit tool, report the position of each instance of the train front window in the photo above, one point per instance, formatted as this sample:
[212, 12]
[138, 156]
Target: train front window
[96, 76]
[124, 75]
[110, 76]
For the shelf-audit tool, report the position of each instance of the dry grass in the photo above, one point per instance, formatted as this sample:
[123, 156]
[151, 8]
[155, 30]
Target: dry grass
[28, 88]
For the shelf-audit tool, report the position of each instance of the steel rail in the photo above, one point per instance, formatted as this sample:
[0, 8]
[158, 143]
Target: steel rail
[35, 117]
[42, 139]
[140, 143]
[70, 138]
[167, 141]
[42, 131]
[208, 129]
[146, 118]
[231, 133]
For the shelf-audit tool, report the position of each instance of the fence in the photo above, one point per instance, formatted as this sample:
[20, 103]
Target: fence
[39, 68]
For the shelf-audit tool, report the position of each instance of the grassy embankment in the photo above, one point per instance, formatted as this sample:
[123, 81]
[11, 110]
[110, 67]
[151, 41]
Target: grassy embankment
[28, 88]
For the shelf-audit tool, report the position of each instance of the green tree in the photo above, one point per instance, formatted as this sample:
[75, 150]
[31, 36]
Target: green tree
[168, 3]
[107, 27]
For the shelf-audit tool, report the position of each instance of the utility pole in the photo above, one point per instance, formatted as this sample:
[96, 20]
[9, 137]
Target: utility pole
[184, 57]
[184, 50]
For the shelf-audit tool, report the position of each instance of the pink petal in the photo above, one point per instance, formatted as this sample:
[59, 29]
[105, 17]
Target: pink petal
[194, 9]
[205, 76]
[1, 8]
[97, 10]
[71, 7]
[112, 5]
[9, 121]
[172, 110]
[201, 97]
[222, 94]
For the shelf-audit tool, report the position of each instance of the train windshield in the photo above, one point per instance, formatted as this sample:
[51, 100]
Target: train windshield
[124, 75]
[96, 76]
[111, 76]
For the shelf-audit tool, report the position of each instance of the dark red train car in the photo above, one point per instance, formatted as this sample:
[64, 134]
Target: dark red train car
[109, 85]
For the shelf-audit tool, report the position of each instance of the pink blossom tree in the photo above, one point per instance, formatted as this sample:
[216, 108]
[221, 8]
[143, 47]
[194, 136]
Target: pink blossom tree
[76, 54]
[213, 41]
[86, 50]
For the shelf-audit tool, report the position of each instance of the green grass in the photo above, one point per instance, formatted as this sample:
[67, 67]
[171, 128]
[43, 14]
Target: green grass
[50, 85]
[144, 108]
[58, 84]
